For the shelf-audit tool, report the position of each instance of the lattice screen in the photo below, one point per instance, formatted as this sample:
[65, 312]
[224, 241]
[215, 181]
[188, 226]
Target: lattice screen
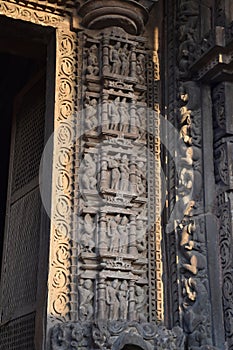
[22, 240]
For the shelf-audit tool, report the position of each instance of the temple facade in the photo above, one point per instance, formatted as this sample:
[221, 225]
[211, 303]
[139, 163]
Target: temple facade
[117, 175]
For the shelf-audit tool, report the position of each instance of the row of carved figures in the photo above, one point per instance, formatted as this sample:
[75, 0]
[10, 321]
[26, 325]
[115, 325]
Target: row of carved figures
[120, 116]
[120, 62]
[119, 297]
[117, 172]
[117, 234]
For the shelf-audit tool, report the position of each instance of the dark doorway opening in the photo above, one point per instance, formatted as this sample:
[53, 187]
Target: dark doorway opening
[22, 55]
[27, 58]
[15, 75]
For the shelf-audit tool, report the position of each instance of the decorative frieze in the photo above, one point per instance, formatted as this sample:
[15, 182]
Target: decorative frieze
[115, 335]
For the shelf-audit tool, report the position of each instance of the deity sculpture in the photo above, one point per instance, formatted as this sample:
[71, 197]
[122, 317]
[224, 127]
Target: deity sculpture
[113, 164]
[140, 236]
[114, 58]
[123, 295]
[114, 115]
[87, 173]
[124, 56]
[124, 173]
[124, 116]
[86, 240]
[92, 60]
[123, 231]
[192, 248]
[141, 301]
[112, 299]
[91, 120]
[141, 121]
[140, 178]
[140, 69]
[113, 233]
[86, 296]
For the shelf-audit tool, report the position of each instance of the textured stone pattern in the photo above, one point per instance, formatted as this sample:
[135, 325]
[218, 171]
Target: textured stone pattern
[190, 307]
[60, 305]
[112, 251]
[114, 138]
[221, 97]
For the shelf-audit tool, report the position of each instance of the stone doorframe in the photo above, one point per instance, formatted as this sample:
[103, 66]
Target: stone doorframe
[59, 17]
[62, 303]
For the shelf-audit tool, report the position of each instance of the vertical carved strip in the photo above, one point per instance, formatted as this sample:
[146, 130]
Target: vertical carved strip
[63, 257]
[226, 254]
[223, 152]
[170, 249]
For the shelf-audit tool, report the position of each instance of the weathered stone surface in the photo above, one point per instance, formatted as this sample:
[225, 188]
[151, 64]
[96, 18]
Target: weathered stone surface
[109, 243]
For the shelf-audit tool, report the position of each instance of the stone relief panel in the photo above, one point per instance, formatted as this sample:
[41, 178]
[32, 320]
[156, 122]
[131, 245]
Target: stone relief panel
[185, 218]
[112, 335]
[223, 178]
[225, 250]
[112, 250]
[90, 271]
[222, 107]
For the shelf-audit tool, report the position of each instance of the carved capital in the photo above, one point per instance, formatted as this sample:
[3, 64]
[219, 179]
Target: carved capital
[130, 15]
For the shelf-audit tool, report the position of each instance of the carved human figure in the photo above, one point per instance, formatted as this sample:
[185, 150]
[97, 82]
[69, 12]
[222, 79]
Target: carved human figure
[141, 121]
[91, 120]
[124, 173]
[187, 48]
[123, 231]
[86, 296]
[114, 58]
[112, 299]
[124, 116]
[185, 204]
[140, 69]
[123, 295]
[193, 248]
[87, 173]
[185, 132]
[113, 233]
[114, 115]
[140, 178]
[196, 323]
[113, 164]
[140, 236]
[92, 60]
[86, 241]
[140, 301]
[124, 56]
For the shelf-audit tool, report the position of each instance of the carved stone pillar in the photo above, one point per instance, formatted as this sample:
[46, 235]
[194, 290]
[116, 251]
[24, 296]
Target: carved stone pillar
[132, 235]
[105, 43]
[102, 233]
[116, 264]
